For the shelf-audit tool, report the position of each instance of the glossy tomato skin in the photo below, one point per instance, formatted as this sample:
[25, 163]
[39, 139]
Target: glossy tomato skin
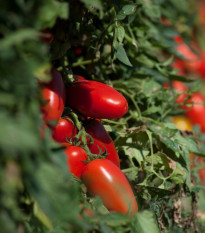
[102, 140]
[196, 112]
[53, 94]
[95, 99]
[104, 179]
[75, 159]
[65, 129]
[182, 123]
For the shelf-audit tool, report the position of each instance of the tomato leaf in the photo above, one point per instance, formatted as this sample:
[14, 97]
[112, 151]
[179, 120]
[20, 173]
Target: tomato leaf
[122, 55]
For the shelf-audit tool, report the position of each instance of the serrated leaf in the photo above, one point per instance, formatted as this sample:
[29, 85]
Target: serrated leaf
[121, 55]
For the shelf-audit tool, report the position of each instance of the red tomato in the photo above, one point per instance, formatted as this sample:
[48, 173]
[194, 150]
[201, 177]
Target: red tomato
[80, 78]
[47, 36]
[104, 179]
[179, 87]
[178, 65]
[194, 61]
[78, 50]
[201, 12]
[75, 159]
[196, 112]
[102, 140]
[54, 95]
[95, 99]
[65, 129]
[201, 173]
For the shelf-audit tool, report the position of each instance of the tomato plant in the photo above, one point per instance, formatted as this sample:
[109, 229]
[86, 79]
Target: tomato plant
[76, 159]
[102, 140]
[64, 130]
[104, 179]
[95, 99]
[53, 94]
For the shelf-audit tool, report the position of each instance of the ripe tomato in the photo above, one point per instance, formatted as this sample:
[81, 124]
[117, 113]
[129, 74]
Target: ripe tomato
[53, 94]
[182, 123]
[178, 65]
[201, 173]
[102, 140]
[47, 36]
[201, 12]
[104, 179]
[65, 129]
[95, 99]
[75, 159]
[196, 112]
[80, 78]
[194, 61]
[179, 87]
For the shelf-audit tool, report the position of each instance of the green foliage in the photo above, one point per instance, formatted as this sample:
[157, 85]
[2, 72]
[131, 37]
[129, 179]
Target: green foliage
[124, 44]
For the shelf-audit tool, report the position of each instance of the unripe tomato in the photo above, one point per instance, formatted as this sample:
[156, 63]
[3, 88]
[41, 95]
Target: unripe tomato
[76, 158]
[104, 179]
[65, 129]
[53, 94]
[182, 123]
[101, 140]
[95, 99]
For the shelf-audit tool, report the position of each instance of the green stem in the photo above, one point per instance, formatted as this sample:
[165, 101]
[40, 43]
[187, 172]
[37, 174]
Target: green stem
[87, 62]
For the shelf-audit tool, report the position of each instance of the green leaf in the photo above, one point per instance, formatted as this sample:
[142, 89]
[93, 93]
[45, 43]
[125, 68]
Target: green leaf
[129, 9]
[122, 55]
[120, 33]
[18, 37]
[95, 4]
[145, 223]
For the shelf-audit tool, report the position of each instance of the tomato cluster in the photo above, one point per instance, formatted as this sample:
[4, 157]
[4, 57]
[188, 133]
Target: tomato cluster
[99, 169]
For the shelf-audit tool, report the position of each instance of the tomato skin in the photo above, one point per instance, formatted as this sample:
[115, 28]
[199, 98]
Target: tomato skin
[196, 112]
[182, 123]
[95, 99]
[79, 77]
[179, 87]
[75, 157]
[194, 61]
[53, 94]
[102, 140]
[201, 173]
[178, 65]
[65, 129]
[104, 179]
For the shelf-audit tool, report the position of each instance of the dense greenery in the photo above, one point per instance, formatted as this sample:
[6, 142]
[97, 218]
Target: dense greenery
[124, 44]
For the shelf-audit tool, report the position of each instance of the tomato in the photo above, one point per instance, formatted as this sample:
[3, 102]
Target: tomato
[78, 50]
[194, 61]
[201, 173]
[104, 179]
[53, 94]
[95, 99]
[75, 159]
[65, 129]
[179, 87]
[196, 112]
[182, 123]
[102, 140]
[201, 12]
[79, 78]
[178, 65]
[47, 36]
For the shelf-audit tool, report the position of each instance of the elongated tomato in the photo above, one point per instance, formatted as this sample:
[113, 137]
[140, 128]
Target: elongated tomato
[95, 99]
[53, 94]
[101, 140]
[104, 179]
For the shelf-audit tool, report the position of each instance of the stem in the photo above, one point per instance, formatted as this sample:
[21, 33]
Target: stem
[87, 62]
